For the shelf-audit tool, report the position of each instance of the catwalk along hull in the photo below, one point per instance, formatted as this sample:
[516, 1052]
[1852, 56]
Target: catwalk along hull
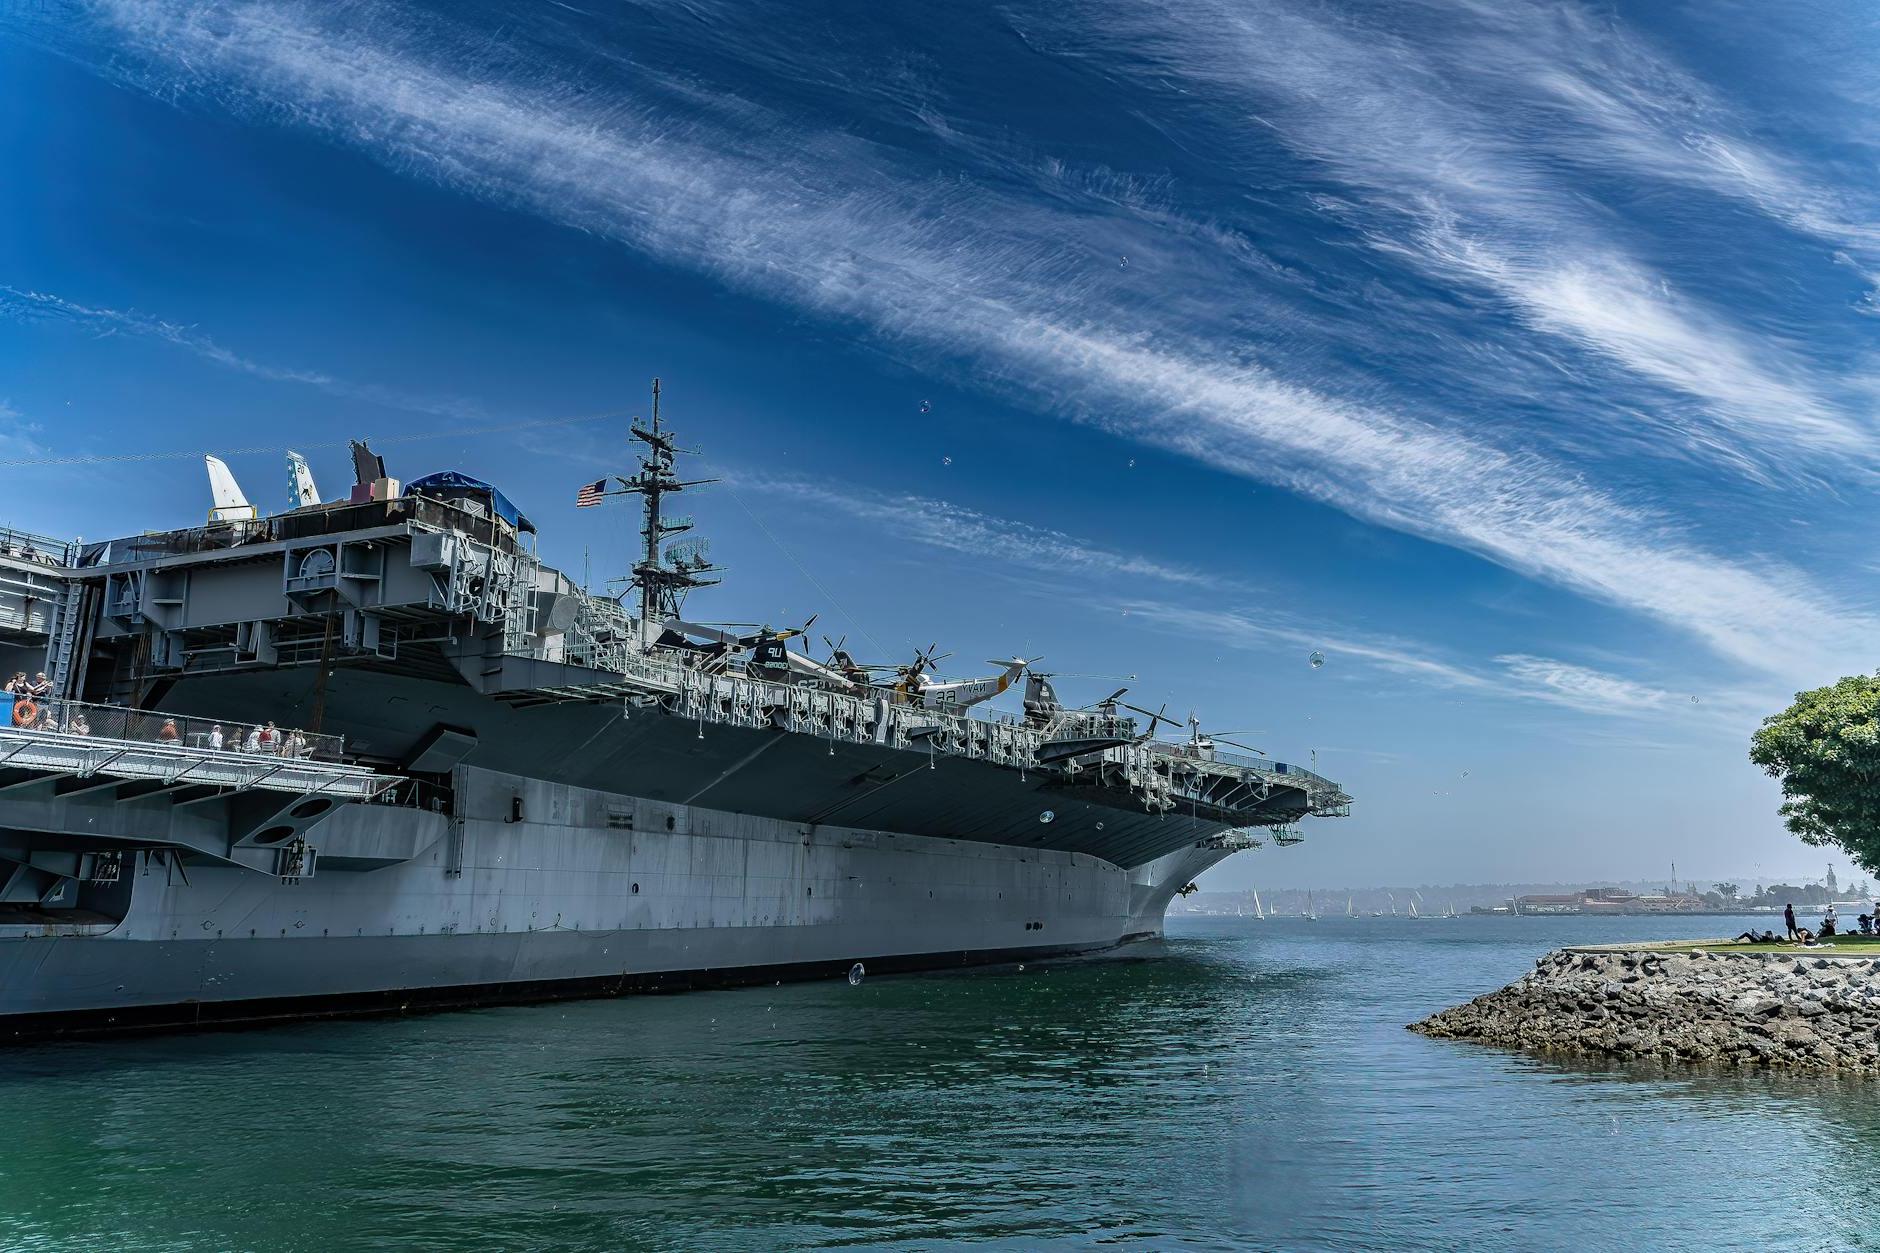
[672, 759]
[591, 893]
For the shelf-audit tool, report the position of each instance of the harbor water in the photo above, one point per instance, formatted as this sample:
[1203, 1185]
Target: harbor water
[1253, 1086]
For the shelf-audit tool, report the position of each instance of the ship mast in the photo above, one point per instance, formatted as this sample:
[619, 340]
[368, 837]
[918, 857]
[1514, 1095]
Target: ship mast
[663, 577]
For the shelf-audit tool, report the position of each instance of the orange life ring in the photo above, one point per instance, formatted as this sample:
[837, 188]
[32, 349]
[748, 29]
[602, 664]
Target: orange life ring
[25, 713]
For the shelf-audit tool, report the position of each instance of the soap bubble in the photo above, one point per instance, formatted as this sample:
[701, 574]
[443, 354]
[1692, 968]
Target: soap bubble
[1021, 968]
[1122, 263]
[946, 461]
[1099, 826]
[926, 406]
[1693, 700]
[1132, 463]
[1046, 816]
[1317, 659]
[855, 975]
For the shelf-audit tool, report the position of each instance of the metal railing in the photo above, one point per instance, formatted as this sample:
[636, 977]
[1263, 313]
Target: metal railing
[314, 523]
[115, 722]
[40, 549]
[1244, 762]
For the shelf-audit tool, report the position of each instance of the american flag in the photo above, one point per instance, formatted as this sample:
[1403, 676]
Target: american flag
[589, 495]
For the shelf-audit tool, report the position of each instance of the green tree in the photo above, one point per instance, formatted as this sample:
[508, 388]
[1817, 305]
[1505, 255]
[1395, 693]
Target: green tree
[1726, 890]
[1825, 750]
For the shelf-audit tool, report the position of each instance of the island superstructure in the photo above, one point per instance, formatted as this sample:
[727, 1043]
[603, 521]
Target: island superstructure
[374, 754]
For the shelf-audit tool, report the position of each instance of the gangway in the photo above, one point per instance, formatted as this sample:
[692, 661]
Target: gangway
[32, 756]
[75, 806]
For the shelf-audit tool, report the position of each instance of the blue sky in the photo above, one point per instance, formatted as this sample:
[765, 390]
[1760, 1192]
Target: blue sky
[1518, 357]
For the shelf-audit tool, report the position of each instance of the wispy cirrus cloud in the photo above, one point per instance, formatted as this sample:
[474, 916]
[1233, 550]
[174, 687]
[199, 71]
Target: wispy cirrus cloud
[1431, 141]
[25, 305]
[1632, 106]
[956, 528]
[1581, 687]
[992, 542]
[18, 433]
[1514, 676]
[831, 223]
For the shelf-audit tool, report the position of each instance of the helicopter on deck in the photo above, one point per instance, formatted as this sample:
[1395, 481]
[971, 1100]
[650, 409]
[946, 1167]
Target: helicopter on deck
[916, 684]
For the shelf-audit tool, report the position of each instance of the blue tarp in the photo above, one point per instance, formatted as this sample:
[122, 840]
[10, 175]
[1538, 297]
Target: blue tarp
[451, 483]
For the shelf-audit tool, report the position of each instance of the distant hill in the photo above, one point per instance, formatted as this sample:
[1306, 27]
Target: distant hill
[1435, 898]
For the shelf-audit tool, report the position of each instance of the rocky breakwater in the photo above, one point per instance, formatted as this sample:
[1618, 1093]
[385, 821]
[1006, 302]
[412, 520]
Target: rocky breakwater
[1798, 1010]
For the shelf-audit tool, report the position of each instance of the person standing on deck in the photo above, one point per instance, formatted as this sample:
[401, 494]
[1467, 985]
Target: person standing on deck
[1788, 916]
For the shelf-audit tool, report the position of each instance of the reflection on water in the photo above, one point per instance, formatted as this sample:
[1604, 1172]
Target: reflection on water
[1253, 1086]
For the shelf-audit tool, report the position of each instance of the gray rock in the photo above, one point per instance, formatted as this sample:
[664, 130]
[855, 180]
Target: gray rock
[1743, 1009]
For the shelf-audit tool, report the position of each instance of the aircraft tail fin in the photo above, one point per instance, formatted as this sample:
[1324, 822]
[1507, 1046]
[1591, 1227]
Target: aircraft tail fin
[300, 488]
[229, 503]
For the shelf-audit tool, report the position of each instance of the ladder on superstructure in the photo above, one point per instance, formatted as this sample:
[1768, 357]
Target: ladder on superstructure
[62, 653]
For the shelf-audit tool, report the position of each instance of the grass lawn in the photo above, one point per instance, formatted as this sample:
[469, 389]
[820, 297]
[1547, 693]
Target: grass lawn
[1834, 946]
[1855, 945]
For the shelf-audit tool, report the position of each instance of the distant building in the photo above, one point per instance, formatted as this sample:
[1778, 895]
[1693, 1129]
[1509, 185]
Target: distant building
[1543, 904]
[1609, 901]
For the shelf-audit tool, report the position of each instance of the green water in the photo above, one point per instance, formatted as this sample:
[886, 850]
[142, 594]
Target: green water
[1252, 1088]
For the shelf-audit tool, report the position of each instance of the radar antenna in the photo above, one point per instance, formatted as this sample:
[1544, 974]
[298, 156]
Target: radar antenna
[663, 577]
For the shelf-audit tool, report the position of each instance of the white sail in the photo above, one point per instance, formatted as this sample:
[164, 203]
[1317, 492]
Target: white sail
[229, 503]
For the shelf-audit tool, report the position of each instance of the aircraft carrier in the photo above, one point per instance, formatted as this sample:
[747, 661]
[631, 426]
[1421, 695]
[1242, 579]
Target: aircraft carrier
[373, 755]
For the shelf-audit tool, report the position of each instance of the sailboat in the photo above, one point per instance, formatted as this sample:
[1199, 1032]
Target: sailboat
[1312, 911]
[1349, 911]
[1258, 912]
[1393, 904]
[1452, 910]
[1413, 909]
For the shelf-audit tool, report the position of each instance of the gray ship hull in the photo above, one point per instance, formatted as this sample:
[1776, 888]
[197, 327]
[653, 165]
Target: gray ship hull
[589, 893]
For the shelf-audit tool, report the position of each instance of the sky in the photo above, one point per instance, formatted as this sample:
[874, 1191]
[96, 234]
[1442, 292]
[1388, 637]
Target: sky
[1518, 358]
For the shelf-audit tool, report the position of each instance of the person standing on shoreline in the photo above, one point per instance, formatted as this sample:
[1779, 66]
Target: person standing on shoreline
[1788, 916]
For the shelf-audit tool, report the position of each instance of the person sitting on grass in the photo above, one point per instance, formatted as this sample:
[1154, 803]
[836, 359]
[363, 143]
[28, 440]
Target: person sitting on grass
[1750, 937]
[1865, 923]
